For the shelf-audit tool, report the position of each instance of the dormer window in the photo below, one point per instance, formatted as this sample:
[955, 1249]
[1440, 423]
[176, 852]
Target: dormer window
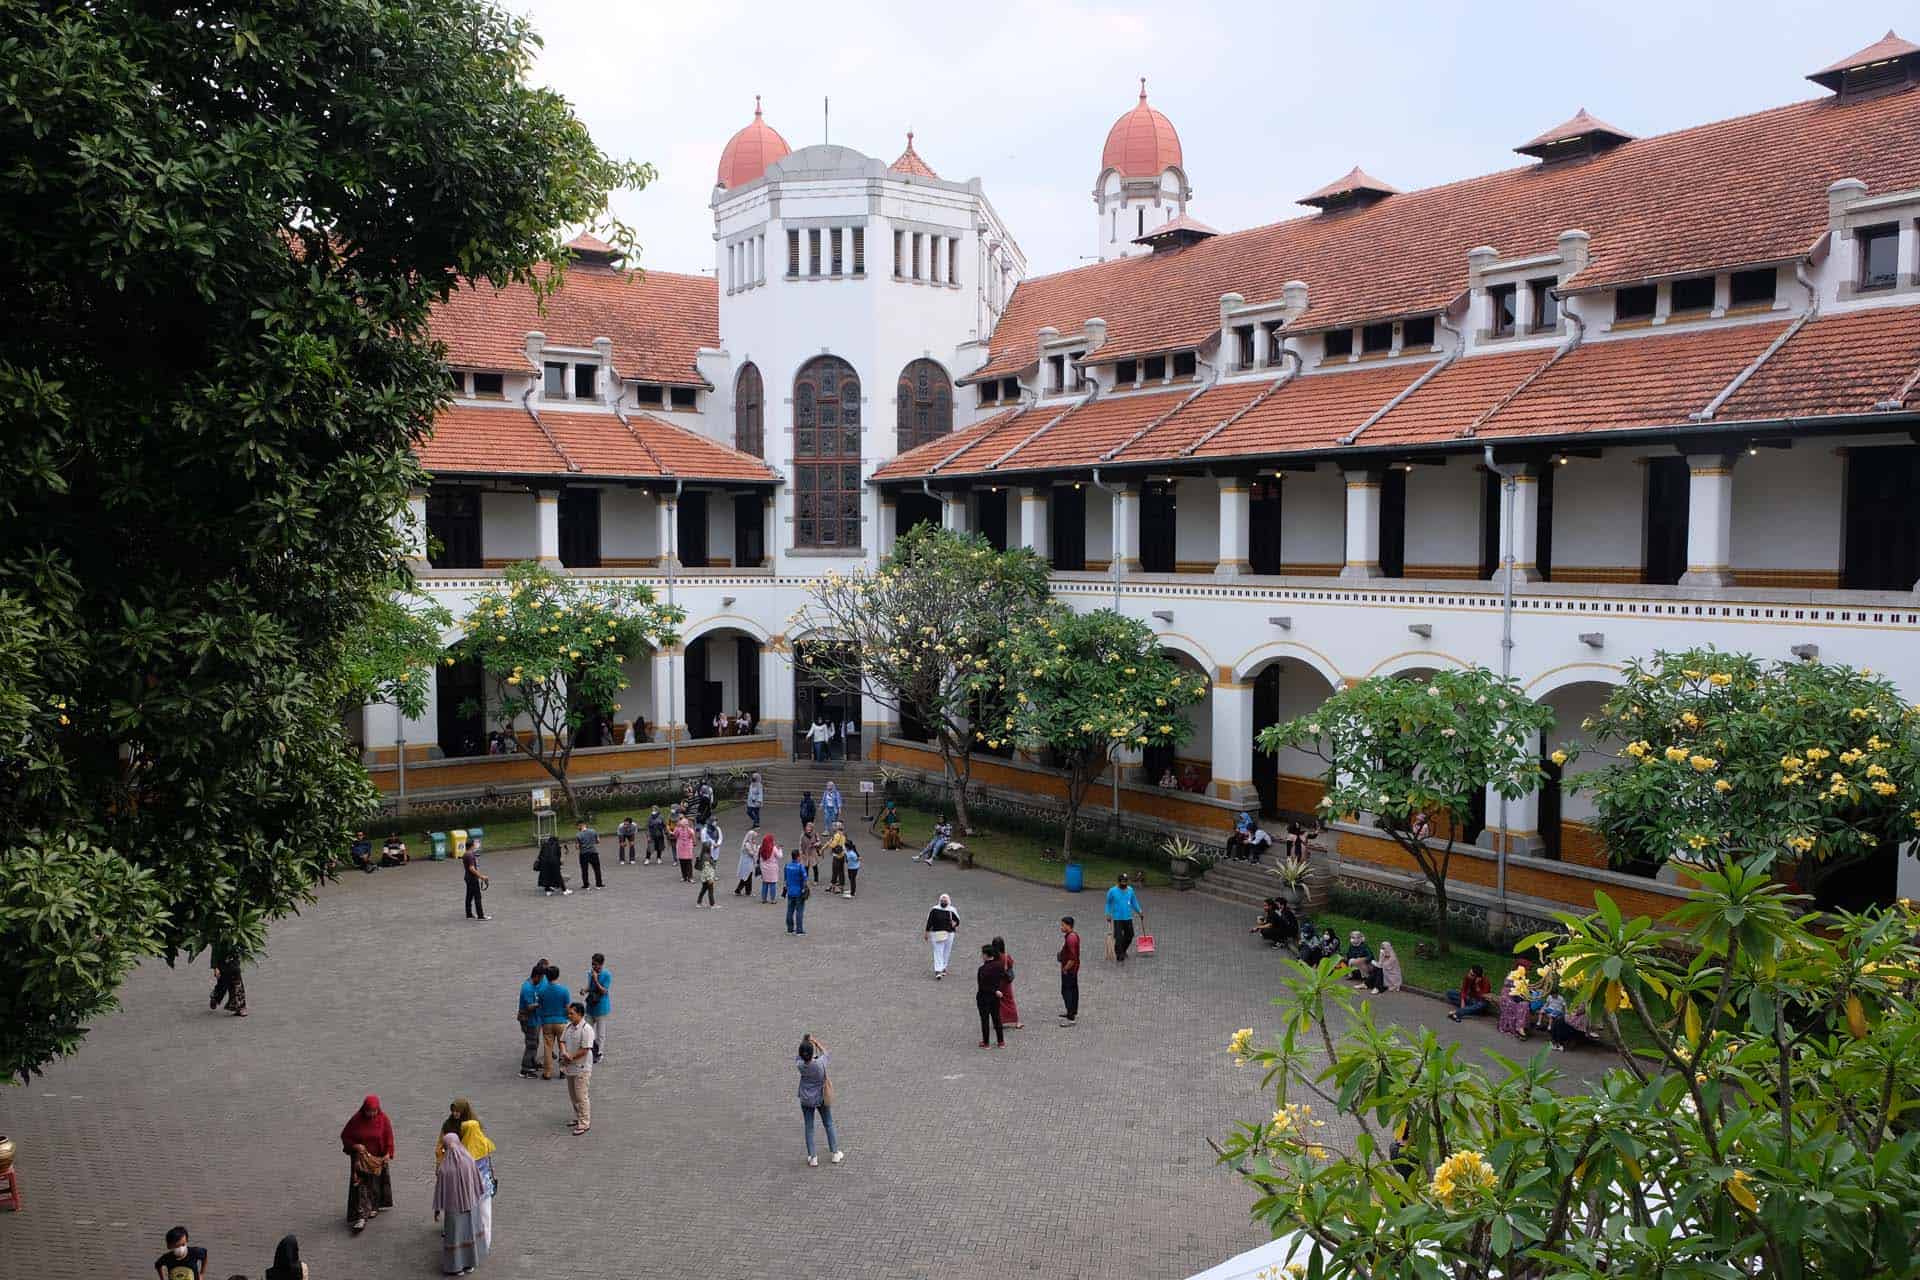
[1634, 303]
[1879, 256]
[555, 386]
[1243, 347]
[459, 381]
[1546, 307]
[1126, 373]
[1079, 370]
[584, 376]
[988, 393]
[1753, 288]
[1417, 332]
[1183, 364]
[1693, 294]
[1056, 373]
[1339, 344]
[1503, 300]
[1273, 340]
[1154, 369]
[1376, 339]
[1009, 389]
[650, 393]
[489, 386]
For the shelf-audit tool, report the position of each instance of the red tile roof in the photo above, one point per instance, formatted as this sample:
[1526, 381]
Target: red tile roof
[1185, 226]
[1698, 199]
[1581, 126]
[1835, 364]
[1314, 411]
[1456, 398]
[979, 443]
[1083, 432]
[1356, 181]
[1886, 47]
[656, 319]
[910, 162]
[508, 440]
[1142, 143]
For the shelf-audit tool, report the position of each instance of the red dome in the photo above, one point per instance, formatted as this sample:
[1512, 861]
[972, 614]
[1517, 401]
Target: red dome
[750, 151]
[1142, 142]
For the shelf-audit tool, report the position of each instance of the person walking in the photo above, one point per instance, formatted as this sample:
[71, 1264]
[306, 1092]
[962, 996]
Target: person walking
[1069, 958]
[830, 804]
[853, 868]
[796, 892]
[816, 1094]
[481, 1148]
[807, 810]
[227, 980]
[708, 874]
[626, 837]
[656, 837]
[286, 1261]
[546, 866]
[749, 859]
[367, 1138]
[476, 881]
[182, 1260]
[458, 1195]
[528, 1017]
[1123, 908]
[576, 1063]
[756, 797]
[818, 736]
[810, 851]
[588, 842]
[598, 994]
[554, 999]
[837, 859]
[710, 841]
[1009, 1011]
[942, 923]
[770, 872]
[992, 978]
[683, 841]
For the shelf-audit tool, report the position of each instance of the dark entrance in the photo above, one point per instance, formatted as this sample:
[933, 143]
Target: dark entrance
[749, 530]
[746, 658]
[1882, 519]
[1263, 526]
[460, 698]
[992, 514]
[1667, 502]
[814, 701]
[453, 529]
[692, 530]
[1266, 766]
[1158, 514]
[911, 509]
[580, 528]
[1067, 516]
[703, 695]
[1550, 778]
[1393, 523]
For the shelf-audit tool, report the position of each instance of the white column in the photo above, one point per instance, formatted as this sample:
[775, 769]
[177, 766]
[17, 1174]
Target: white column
[776, 689]
[953, 511]
[1363, 525]
[1034, 529]
[1232, 739]
[546, 519]
[1523, 307]
[1236, 526]
[1709, 521]
[1524, 511]
[669, 716]
[769, 523]
[413, 529]
[1522, 830]
[1907, 259]
[667, 530]
[1126, 528]
[1262, 356]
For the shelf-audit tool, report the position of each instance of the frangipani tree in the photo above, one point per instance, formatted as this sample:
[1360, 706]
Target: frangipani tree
[392, 655]
[1404, 749]
[926, 634]
[552, 647]
[1091, 685]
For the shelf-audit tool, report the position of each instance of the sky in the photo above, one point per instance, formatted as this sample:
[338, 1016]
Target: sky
[1271, 100]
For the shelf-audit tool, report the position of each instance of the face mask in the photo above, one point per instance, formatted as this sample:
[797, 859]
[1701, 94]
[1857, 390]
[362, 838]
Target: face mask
[179, 1251]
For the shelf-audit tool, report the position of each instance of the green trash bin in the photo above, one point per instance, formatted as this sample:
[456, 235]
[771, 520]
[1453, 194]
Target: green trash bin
[439, 839]
[479, 837]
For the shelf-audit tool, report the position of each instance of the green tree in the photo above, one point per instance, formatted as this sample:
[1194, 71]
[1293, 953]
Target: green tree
[1091, 685]
[552, 647]
[390, 657]
[221, 231]
[1404, 749]
[1716, 758]
[927, 634]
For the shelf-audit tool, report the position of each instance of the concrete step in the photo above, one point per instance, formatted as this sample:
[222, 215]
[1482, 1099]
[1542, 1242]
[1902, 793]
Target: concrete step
[1206, 888]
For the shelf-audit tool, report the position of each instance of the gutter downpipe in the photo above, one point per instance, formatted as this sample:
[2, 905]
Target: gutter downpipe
[1506, 652]
[1113, 553]
[673, 689]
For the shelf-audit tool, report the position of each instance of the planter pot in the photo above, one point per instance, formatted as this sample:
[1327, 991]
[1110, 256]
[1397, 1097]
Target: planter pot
[6, 1153]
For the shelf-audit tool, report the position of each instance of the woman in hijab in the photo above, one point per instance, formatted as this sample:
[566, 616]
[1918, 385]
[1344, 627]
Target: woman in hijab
[749, 860]
[368, 1141]
[286, 1261]
[769, 867]
[809, 850]
[942, 923]
[1009, 1011]
[1384, 973]
[481, 1148]
[830, 804]
[458, 1197]
[459, 1111]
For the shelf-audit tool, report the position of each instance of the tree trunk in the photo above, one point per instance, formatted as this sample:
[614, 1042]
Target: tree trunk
[1436, 873]
[956, 784]
[1079, 778]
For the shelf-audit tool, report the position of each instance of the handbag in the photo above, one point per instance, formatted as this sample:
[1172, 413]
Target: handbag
[826, 1091]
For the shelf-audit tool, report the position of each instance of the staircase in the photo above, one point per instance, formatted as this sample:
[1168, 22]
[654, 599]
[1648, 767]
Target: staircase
[784, 781]
[1240, 882]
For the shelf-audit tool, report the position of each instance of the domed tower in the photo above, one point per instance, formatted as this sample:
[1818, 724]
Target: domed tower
[750, 151]
[1142, 183]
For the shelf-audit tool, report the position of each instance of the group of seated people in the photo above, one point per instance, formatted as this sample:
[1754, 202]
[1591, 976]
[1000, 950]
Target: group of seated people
[1527, 997]
[737, 725]
[1249, 839]
[392, 854]
[1311, 943]
[1189, 779]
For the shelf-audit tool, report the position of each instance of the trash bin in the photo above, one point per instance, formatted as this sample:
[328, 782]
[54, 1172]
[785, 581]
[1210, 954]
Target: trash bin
[1074, 882]
[479, 837]
[439, 839]
[459, 842]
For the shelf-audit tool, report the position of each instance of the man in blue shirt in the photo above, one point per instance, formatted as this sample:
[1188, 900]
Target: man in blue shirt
[598, 991]
[1123, 907]
[554, 1000]
[529, 1019]
[795, 892]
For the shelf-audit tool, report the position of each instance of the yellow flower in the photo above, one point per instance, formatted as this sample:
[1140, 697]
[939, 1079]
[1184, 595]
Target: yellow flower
[1816, 753]
[1558, 757]
[1676, 754]
[1702, 763]
[1241, 1043]
[1690, 720]
[1697, 841]
[1464, 1173]
[1884, 789]
[1859, 713]
[1851, 757]
[1636, 749]
[1790, 762]
[1740, 1187]
[1800, 844]
[1720, 678]
[1690, 673]
[1722, 785]
[513, 679]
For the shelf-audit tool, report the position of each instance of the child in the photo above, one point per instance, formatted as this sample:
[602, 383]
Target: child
[707, 875]
[853, 869]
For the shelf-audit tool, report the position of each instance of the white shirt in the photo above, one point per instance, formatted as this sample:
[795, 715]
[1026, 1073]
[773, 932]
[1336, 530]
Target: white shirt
[819, 733]
[577, 1038]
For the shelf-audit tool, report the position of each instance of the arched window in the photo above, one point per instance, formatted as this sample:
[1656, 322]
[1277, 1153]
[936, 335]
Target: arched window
[749, 412]
[924, 401]
[826, 454]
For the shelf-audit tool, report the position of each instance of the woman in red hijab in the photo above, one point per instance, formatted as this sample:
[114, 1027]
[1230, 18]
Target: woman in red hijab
[368, 1141]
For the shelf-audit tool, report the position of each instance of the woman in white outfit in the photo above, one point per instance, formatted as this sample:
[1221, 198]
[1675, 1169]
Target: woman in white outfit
[942, 923]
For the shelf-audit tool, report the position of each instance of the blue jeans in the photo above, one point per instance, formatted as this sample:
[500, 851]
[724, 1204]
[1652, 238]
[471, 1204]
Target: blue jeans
[1470, 1008]
[766, 891]
[831, 814]
[819, 751]
[932, 851]
[826, 1120]
[796, 914]
[753, 813]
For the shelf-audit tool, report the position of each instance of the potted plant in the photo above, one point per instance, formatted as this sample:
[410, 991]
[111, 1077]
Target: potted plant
[1294, 874]
[1182, 855]
[889, 781]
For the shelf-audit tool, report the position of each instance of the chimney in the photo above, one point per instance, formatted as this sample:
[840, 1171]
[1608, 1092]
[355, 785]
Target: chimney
[606, 384]
[1575, 253]
[1096, 329]
[1478, 260]
[1840, 195]
[1230, 303]
[536, 348]
[1293, 295]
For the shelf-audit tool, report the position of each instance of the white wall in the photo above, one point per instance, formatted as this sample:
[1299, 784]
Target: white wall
[1099, 524]
[507, 528]
[1313, 518]
[1599, 513]
[629, 525]
[1572, 704]
[1443, 517]
[1787, 507]
[1197, 536]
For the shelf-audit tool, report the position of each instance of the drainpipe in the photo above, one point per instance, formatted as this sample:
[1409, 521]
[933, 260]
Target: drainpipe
[1506, 652]
[400, 740]
[1113, 554]
[672, 553]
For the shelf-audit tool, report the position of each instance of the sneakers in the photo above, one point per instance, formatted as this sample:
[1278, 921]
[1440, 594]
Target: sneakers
[567, 893]
[547, 892]
[813, 1162]
[529, 1075]
[838, 1156]
[358, 1224]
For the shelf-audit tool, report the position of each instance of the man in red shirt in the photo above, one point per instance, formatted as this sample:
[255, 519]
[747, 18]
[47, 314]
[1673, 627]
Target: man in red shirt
[1472, 997]
[1069, 958]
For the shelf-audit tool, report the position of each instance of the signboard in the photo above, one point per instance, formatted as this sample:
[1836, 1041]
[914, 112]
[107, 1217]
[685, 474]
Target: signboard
[866, 787]
[539, 798]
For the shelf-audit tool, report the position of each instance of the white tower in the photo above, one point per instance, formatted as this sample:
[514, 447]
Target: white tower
[1142, 184]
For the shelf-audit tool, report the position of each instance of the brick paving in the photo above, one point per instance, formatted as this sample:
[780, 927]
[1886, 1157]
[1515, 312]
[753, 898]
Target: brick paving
[1075, 1152]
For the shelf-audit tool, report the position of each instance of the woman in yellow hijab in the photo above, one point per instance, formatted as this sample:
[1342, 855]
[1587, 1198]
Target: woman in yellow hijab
[481, 1148]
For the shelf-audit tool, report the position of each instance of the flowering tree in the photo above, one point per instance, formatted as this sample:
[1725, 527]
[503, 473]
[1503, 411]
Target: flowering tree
[1417, 753]
[552, 647]
[927, 635]
[1090, 685]
[390, 657]
[1717, 758]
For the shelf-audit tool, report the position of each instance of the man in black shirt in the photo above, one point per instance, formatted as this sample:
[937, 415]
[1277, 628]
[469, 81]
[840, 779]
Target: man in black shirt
[181, 1261]
[993, 978]
[476, 881]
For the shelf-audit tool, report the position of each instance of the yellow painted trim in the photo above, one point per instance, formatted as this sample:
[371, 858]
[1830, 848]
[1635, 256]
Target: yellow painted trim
[1200, 654]
[1612, 668]
[1710, 471]
[1363, 484]
[1281, 649]
[1417, 653]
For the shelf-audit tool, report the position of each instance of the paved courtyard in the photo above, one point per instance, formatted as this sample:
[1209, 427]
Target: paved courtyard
[1075, 1152]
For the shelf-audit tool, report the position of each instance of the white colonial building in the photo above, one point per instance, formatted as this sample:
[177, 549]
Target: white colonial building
[1674, 378]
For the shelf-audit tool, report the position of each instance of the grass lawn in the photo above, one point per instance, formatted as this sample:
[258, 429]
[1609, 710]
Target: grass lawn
[518, 832]
[1018, 854]
[1438, 975]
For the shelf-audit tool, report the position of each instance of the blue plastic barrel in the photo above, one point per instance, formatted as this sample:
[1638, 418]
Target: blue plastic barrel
[1074, 881]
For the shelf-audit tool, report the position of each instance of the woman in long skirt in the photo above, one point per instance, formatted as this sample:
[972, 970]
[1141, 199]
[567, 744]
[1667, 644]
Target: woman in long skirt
[458, 1197]
[1009, 1011]
[368, 1141]
[481, 1148]
[810, 851]
[1515, 1001]
[749, 862]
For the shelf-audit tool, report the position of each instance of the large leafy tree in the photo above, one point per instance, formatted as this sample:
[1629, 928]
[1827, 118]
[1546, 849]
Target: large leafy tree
[927, 635]
[1091, 686]
[553, 648]
[391, 656]
[1416, 753]
[221, 229]
[1716, 758]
